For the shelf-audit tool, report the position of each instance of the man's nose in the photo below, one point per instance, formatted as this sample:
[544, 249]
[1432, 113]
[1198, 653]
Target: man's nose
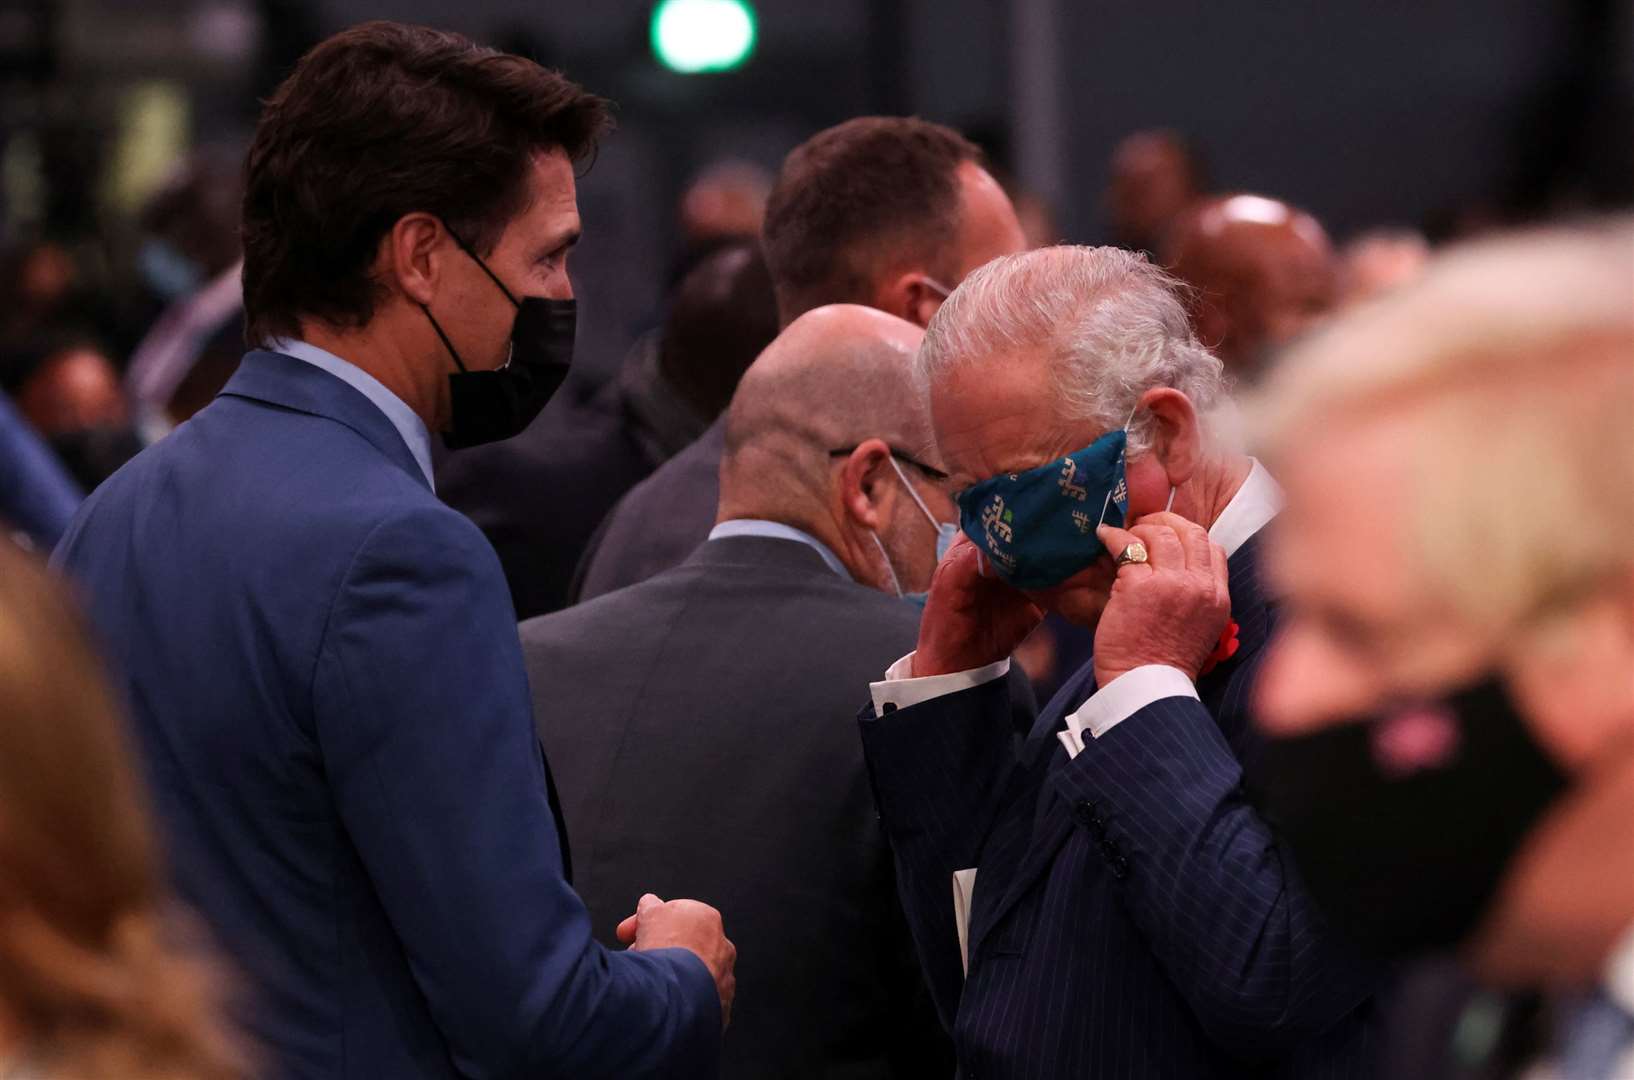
[559, 287]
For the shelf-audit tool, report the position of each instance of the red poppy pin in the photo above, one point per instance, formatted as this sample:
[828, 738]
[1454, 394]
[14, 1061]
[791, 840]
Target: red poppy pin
[1225, 650]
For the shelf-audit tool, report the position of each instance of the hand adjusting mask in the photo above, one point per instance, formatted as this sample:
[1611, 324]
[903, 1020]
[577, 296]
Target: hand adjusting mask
[486, 406]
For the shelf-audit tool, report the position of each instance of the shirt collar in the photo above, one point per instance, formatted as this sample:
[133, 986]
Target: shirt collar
[1250, 510]
[776, 530]
[404, 419]
[1619, 978]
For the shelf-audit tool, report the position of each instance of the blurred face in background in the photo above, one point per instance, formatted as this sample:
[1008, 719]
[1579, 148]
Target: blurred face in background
[1452, 684]
[1388, 628]
[1153, 179]
[75, 389]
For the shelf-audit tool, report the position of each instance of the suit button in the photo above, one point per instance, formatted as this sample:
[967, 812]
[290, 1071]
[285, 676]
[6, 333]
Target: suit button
[1085, 815]
[1120, 867]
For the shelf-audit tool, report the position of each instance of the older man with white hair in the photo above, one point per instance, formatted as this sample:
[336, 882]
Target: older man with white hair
[1095, 896]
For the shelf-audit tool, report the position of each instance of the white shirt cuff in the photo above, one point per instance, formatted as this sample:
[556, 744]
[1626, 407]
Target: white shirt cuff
[900, 690]
[1123, 697]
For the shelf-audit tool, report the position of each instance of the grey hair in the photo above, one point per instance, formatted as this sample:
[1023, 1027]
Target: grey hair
[1110, 324]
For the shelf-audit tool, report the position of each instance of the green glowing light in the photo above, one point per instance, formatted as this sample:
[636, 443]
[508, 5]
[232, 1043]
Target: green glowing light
[694, 36]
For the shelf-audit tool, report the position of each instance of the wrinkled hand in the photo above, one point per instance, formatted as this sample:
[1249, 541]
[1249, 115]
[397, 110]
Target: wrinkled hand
[1170, 610]
[690, 925]
[971, 617]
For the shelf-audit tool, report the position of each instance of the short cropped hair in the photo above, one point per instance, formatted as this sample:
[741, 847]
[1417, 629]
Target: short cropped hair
[858, 199]
[1109, 324]
[379, 121]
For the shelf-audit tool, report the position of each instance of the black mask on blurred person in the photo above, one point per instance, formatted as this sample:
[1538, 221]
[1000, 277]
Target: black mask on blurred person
[1403, 827]
[487, 406]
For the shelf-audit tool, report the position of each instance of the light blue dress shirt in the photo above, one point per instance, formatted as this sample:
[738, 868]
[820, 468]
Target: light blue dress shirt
[404, 419]
[776, 530]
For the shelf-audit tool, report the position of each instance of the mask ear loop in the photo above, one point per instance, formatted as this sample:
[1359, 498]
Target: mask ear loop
[914, 495]
[1106, 503]
[896, 586]
[463, 246]
[449, 345]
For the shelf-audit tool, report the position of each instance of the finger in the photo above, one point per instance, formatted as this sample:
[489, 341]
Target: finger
[647, 901]
[1198, 547]
[1163, 548]
[1114, 539]
[1117, 541]
[626, 929]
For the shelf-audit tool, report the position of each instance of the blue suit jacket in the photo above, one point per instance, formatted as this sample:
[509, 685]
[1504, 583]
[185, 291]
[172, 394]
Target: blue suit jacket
[37, 496]
[328, 692]
[1132, 915]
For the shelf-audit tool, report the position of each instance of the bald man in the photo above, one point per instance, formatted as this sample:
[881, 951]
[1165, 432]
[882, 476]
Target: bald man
[701, 723]
[1263, 272]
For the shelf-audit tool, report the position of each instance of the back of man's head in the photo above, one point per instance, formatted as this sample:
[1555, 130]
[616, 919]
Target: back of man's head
[826, 432]
[380, 121]
[863, 201]
[834, 377]
[1262, 272]
[721, 316]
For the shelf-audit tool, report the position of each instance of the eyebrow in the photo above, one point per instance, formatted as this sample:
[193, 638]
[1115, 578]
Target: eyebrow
[565, 243]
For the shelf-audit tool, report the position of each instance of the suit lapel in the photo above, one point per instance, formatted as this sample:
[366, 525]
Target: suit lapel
[1030, 851]
[284, 381]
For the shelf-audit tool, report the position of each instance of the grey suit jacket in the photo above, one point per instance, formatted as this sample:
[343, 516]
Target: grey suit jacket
[658, 523]
[701, 729]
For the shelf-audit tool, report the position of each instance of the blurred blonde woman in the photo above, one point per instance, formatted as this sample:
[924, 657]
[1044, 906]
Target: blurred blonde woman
[95, 981]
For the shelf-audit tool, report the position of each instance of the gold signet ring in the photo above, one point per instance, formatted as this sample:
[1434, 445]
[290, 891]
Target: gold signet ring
[1134, 553]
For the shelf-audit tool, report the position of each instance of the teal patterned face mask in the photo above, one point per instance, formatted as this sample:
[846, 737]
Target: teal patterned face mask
[1037, 527]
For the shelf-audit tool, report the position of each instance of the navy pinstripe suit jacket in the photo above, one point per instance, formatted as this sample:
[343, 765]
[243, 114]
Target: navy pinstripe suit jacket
[1132, 916]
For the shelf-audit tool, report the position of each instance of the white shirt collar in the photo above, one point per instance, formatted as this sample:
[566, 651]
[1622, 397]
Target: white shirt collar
[776, 530]
[1250, 510]
[404, 419]
[1619, 979]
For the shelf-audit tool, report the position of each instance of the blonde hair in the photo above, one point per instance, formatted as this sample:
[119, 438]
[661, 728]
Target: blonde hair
[1517, 356]
[99, 975]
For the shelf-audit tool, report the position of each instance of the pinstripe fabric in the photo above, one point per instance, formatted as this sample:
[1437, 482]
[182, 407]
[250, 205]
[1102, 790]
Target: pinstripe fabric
[1132, 915]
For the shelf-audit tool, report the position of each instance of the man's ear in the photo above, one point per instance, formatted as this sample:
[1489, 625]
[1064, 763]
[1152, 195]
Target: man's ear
[866, 488]
[412, 253]
[909, 296]
[1177, 439]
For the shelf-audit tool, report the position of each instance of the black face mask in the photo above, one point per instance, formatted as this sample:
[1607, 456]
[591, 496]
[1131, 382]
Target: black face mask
[486, 406]
[1403, 828]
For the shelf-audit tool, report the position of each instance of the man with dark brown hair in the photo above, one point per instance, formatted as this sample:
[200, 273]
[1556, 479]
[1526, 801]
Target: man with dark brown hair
[889, 212]
[320, 658]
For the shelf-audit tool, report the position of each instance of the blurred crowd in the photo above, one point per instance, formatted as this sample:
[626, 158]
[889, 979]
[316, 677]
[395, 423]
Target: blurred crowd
[1241, 619]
